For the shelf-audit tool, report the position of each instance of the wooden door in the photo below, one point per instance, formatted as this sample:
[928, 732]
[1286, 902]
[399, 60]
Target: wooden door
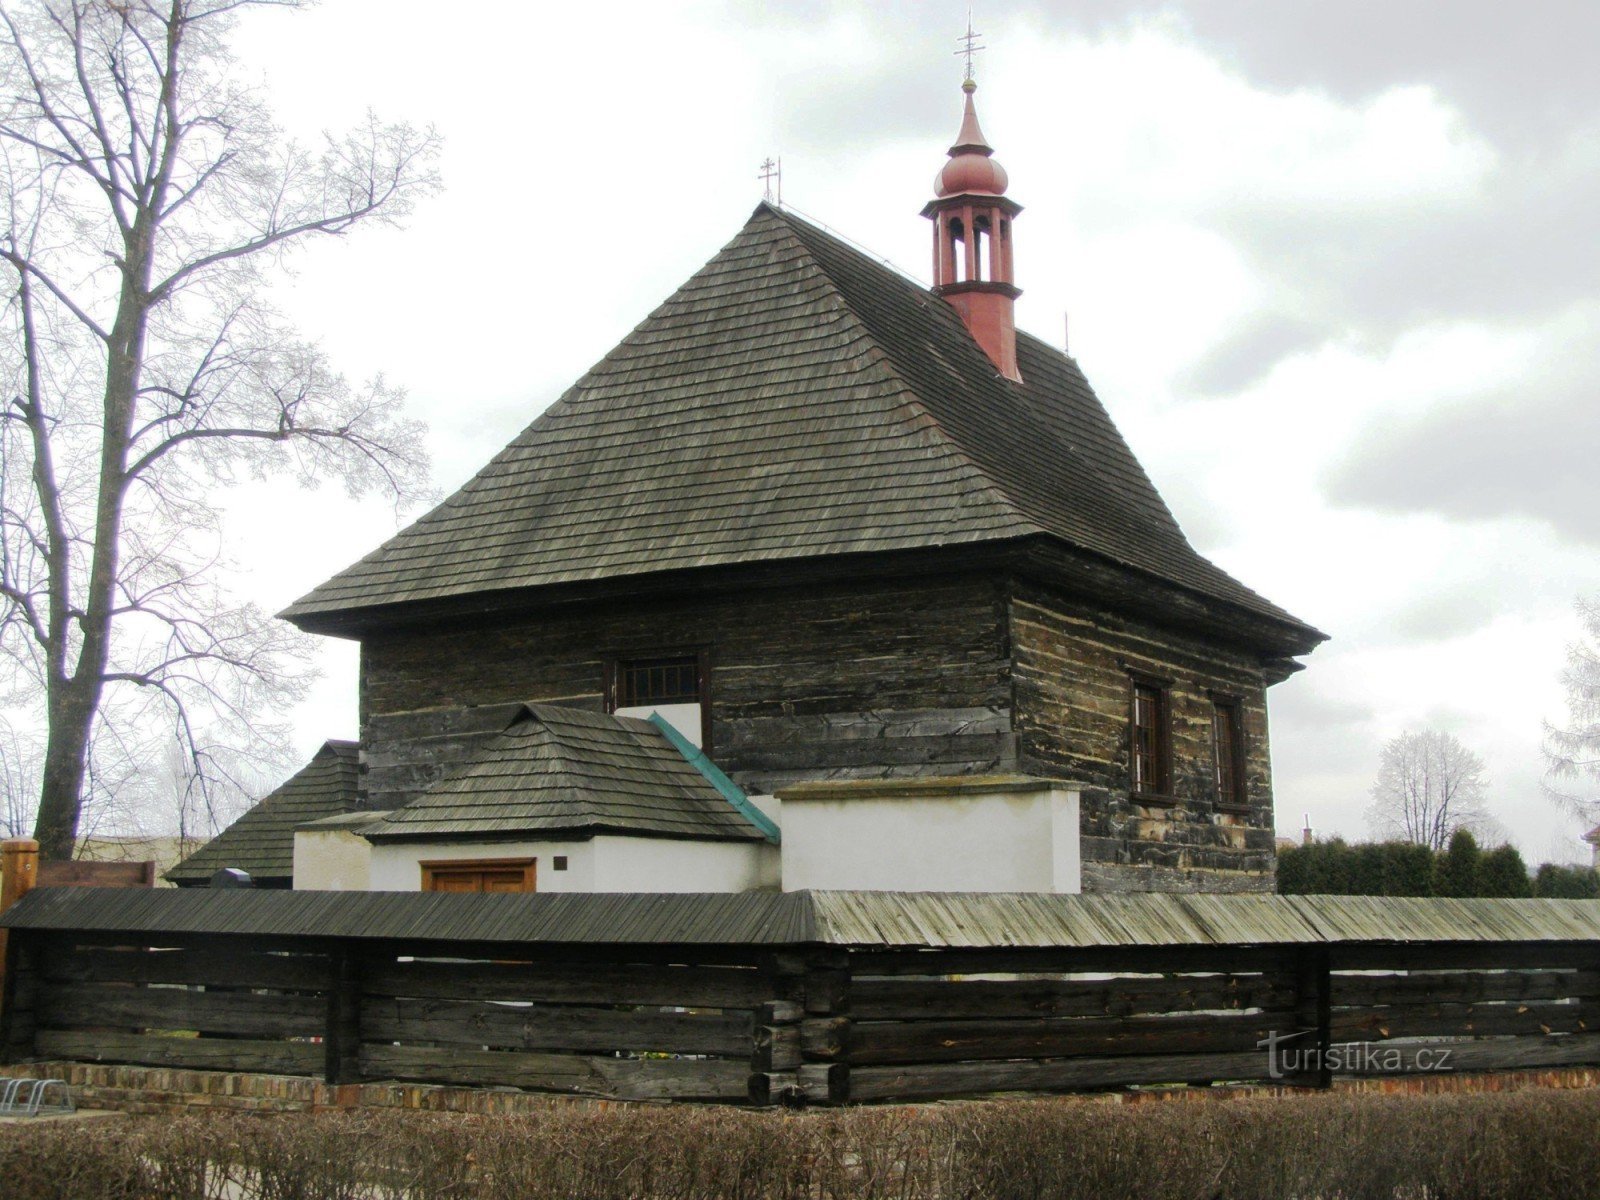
[479, 875]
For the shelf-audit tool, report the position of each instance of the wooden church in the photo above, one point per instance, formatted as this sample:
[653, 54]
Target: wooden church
[820, 579]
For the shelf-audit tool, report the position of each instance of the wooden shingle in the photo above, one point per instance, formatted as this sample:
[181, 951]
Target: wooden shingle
[262, 840]
[567, 772]
[794, 399]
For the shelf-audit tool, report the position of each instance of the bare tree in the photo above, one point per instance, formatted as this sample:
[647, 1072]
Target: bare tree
[19, 783]
[1572, 751]
[146, 197]
[1429, 785]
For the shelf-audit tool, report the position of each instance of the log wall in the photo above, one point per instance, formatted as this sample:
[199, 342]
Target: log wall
[949, 675]
[804, 1024]
[907, 677]
[1072, 668]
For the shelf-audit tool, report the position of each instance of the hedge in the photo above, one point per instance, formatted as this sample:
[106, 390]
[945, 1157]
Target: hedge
[1317, 1147]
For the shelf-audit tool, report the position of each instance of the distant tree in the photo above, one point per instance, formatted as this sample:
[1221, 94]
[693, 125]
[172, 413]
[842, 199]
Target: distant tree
[147, 199]
[1407, 869]
[19, 783]
[1429, 786]
[1553, 881]
[1459, 870]
[1337, 868]
[1316, 869]
[1503, 873]
[1572, 751]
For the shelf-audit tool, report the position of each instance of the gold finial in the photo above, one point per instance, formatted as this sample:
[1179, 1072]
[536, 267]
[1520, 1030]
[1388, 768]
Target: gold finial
[969, 51]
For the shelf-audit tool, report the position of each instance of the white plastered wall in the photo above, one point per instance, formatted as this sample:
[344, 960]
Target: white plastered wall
[331, 860]
[397, 866]
[633, 864]
[1003, 835]
[605, 863]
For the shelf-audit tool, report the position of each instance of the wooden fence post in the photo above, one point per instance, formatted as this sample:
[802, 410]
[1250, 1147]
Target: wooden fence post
[342, 1038]
[801, 1044]
[19, 871]
[1313, 1012]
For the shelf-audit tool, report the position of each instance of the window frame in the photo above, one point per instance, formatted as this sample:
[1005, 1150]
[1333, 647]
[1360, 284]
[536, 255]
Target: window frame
[1226, 703]
[616, 661]
[1161, 747]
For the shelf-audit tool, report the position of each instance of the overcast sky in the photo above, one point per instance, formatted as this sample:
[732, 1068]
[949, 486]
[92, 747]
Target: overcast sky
[1335, 271]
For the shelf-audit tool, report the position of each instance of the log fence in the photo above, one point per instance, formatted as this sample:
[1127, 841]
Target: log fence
[763, 1024]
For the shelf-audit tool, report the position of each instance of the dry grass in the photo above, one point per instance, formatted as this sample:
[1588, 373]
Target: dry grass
[1448, 1147]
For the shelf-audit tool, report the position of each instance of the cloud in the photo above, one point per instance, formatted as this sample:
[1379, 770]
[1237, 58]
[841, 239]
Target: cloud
[1246, 355]
[1522, 447]
[1523, 77]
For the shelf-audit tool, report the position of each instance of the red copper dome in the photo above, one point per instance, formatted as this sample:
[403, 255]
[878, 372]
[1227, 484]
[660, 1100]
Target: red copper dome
[972, 167]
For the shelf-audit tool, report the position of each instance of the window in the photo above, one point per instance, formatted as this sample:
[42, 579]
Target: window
[672, 685]
[478, 875]
[1151, 751]
[1227, 744]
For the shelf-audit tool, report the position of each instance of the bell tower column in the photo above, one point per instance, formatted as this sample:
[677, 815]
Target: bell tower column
[973, 260]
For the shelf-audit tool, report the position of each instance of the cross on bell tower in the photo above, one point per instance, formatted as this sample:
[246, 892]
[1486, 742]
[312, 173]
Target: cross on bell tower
[973, 268]
[970, 49]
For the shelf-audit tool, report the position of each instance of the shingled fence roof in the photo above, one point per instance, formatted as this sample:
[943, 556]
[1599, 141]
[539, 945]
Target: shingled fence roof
[262, 840]
[794, 399]
[570, 771]
[909, 920]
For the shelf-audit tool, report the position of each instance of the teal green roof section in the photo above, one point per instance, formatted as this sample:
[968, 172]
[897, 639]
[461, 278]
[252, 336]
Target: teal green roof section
[714, 776]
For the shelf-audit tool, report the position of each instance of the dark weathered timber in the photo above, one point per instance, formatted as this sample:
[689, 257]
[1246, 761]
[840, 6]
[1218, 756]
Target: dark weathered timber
[937, 1080]
[262, 1015]
[1485, 956]
[825, 1083]
[883, 1042]
[827, 989]
[19, 989]
[573, 983]
[777, 1048]
[930, 999]
[1458, 1020]
[1461, 987]
[342, 1039]
[1491, 1054]
[470, 1023]
[827, 645]
[214, 1054]
[767, 1088]
[238, 968]
[616, 1078]
[997, 751]
[826, 1038]
[1072, 666]
[779, 1012]
[1313, 1014]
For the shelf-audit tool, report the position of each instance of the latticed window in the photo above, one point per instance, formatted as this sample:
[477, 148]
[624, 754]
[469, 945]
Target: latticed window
[1227, 744]
[1149, 738]
[670, 686]
[645, 681]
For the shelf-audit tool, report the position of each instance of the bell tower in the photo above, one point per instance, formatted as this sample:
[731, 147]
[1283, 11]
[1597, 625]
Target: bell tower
[973, 268]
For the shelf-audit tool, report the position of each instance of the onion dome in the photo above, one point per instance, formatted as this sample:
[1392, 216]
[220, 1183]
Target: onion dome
[972, 168]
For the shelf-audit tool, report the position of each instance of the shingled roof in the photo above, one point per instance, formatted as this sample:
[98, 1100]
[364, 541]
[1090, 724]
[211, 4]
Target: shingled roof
[794, 399]
[567, 771]
[262, 841]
